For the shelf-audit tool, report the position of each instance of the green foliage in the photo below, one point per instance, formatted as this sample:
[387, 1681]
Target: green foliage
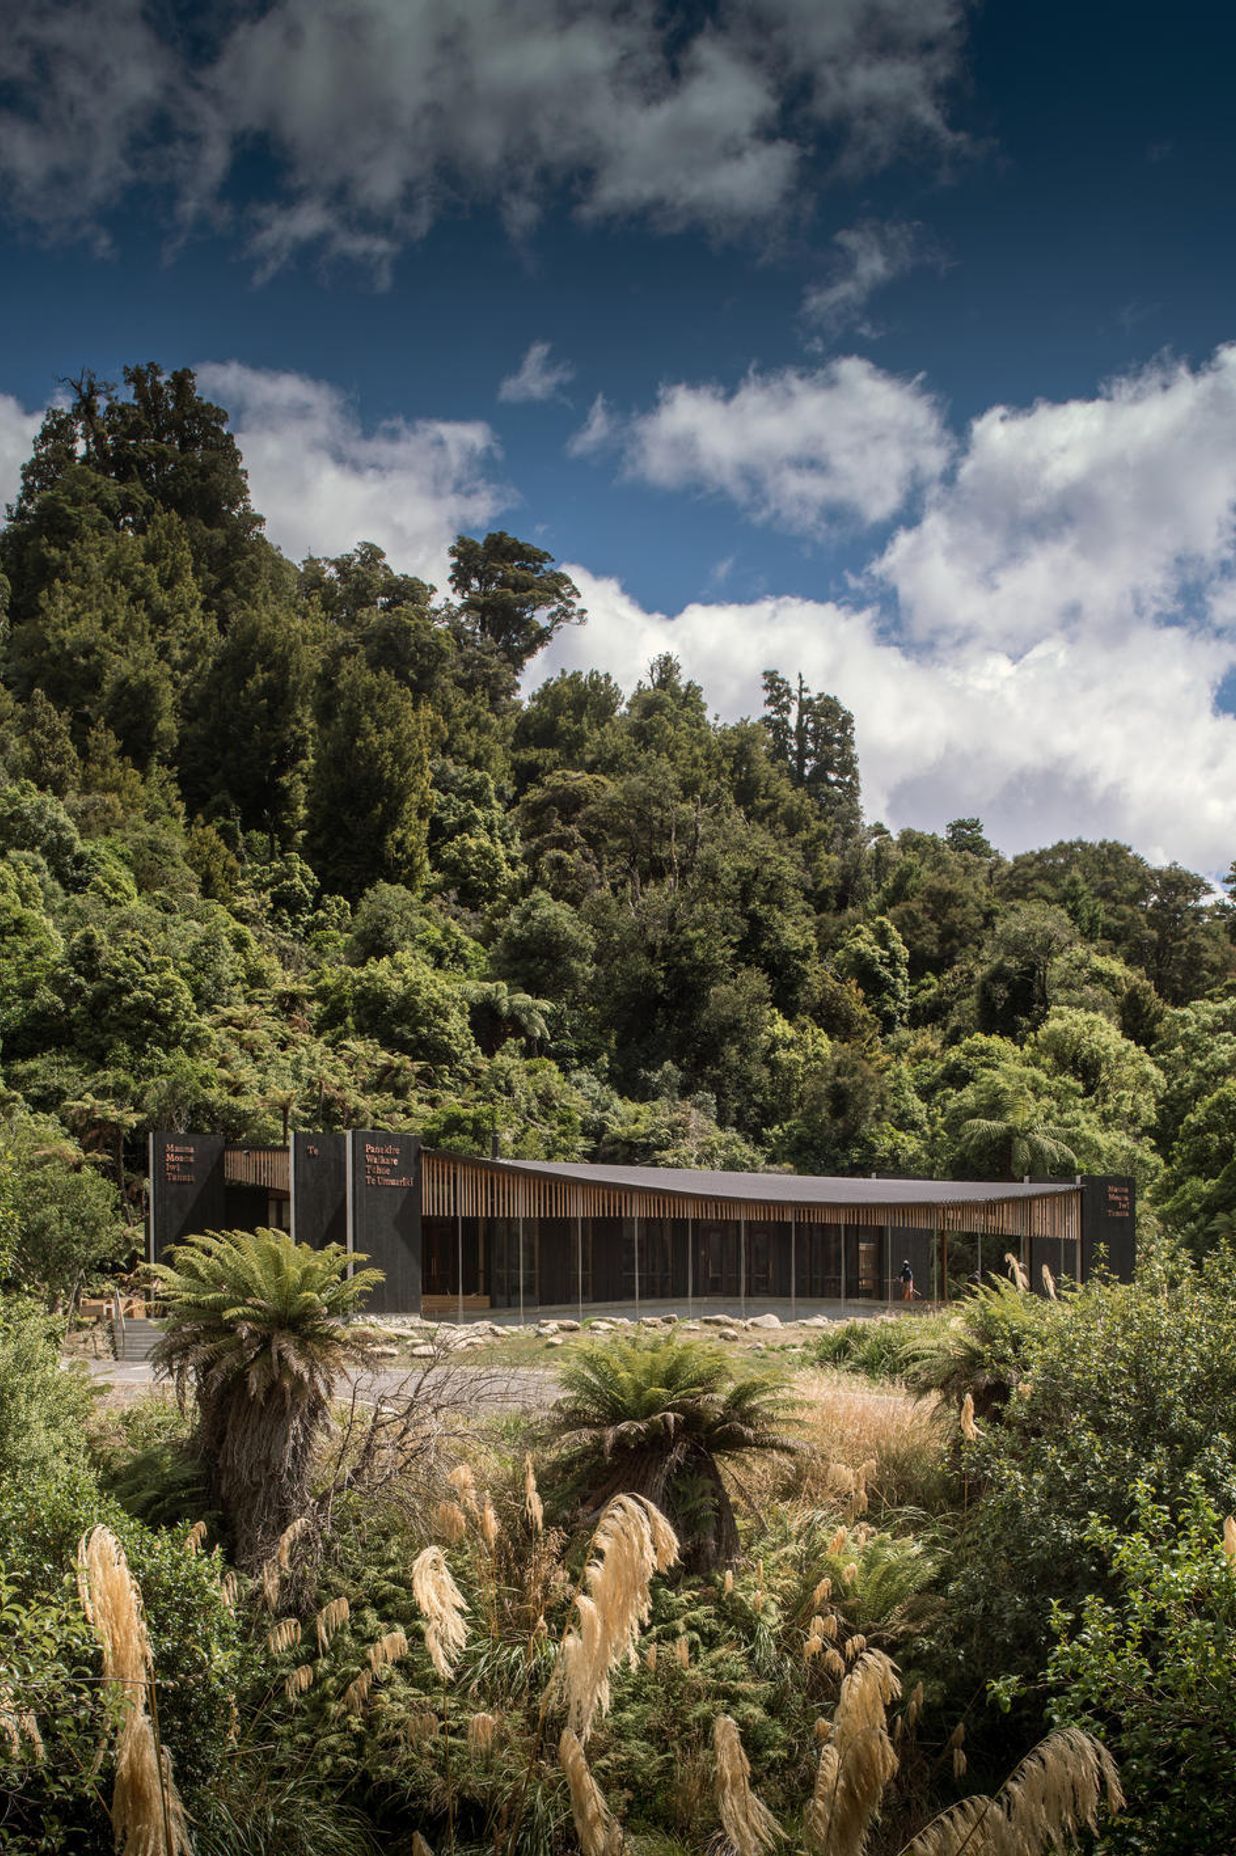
[369, 792]
[51, 1660]
[256, 1326]
[1120, 1389]
[43, 1410]
[66, 1223]
[1149, 1668]
[656, 1417]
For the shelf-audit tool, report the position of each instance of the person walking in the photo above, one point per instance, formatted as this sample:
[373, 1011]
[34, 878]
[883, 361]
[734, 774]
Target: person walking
[906, 1276]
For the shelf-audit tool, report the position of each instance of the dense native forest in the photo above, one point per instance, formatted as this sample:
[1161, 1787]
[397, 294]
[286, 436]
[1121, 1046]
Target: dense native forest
[286, 845]
[306, 845]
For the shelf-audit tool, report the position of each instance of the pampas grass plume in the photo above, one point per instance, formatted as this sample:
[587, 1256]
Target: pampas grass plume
[283, 1635]
[632, 1541]
[1050, 1799]
[489, 1524]
[969, 1429]
[148, 1817]
[356, 1694]
[682, 1652]
[329, 1619]
[727, 1584]
[1049, 1283]
[288, 1539]
[387, 1650]
[451, 1522]
[463, 1482]
[857, 1761]
[195, 1536]
[441, 1604]
[595, 1826]
[1017, 1273]
[1229, 1538]
[482, 1729]
[650, 1659]
[533, 1505]
[298, 1680]
[748, 1823]
[419, 1845]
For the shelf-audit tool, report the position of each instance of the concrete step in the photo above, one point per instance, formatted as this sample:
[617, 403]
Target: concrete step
[136, 1339]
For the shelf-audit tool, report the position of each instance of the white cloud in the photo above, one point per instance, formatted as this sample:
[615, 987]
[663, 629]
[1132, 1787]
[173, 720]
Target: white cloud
[381, 115]
[1090, 516]
[1044, 645]
[798, 449]
[869, 255]
[324, 482]
[17, 430]
[1064, 741]
[598, 429]
[94, 82]
[536, 377]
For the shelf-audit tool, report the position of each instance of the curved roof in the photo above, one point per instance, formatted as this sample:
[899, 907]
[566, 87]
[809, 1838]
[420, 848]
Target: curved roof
[788, 1188]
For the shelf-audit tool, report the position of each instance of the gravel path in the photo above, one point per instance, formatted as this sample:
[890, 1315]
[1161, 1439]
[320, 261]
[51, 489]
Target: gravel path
[492, 1388]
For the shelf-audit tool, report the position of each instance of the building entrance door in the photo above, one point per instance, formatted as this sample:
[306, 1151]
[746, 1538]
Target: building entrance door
[717, 1270]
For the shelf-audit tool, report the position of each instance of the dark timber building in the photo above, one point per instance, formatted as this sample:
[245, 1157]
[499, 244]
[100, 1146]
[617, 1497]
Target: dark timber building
[456, 1235]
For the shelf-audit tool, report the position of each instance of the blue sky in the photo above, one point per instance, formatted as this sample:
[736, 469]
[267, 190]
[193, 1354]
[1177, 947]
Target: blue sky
[884, 338]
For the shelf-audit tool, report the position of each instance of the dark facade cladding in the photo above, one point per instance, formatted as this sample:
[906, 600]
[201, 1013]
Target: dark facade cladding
[460, 1235]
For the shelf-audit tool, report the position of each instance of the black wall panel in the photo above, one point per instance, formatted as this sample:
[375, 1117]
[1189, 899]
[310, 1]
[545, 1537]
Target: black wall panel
[385, 1194]
[186, 1188]
[320, 1189]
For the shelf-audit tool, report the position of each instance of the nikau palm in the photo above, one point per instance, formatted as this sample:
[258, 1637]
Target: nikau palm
[257, 1330]
[656, 1418]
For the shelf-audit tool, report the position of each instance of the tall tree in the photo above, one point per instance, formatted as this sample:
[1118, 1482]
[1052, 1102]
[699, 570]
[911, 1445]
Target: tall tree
[369, 793]
[158, 446]
[510, 595]
[248, 725]
[813, 737]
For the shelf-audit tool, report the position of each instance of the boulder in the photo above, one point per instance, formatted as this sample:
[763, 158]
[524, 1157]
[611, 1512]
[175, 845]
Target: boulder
[764, 1321]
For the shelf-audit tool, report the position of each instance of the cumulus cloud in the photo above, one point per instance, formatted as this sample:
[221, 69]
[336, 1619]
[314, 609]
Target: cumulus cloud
[1044, 644]
[324, 482]
[382, 115]
[17, 430]
[598, 429]
[1063, 741]
[536, 377]
[1086, 516]
[868, 256]
[88, 84]
[797, 448]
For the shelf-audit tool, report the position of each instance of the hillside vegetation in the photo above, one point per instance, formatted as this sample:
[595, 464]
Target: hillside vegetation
[286, 844]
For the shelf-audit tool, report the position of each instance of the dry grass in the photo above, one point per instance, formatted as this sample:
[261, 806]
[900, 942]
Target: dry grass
[598, 1833]
[441, 1604]
[844, 1427]
[147, 1815]
[749, 1825]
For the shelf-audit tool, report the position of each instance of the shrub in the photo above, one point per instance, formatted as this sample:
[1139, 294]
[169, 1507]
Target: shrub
[1151, 1669]
[1125, 1393]
[43, 1409]
[656, 1417]
[50, 1657]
